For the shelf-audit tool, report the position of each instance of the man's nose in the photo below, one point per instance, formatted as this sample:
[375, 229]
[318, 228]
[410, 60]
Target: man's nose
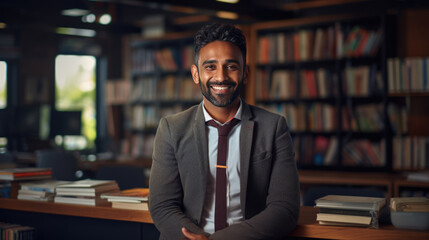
[221, 74]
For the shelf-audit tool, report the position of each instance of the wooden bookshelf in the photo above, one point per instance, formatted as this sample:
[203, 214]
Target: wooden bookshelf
[157, 75]
[376, 179]
[336, 87]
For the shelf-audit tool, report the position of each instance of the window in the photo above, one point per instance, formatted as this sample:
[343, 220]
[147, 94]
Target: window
[3, 84]
[75, 90]
[3, 104]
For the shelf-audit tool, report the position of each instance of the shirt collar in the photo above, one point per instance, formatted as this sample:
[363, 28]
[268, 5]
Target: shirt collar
[207, 116]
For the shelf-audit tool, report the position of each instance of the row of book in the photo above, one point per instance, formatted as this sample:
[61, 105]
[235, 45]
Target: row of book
[361, 81]
[306, 117]
[316, 151]
[117, 90]
[145, 60]
[398, 118]
[283, 84]
[11, 231]
[323, 151]
[364, 153]
[147, 116]
[324, 117]
[167, 88]
[141, 145]
[137, 145]
[408, 74]
[318, 44]
[410, 152]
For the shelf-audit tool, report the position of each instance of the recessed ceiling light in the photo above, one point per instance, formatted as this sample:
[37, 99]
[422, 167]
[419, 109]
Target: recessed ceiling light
[74, 12]
[105, 19]
[229, 1]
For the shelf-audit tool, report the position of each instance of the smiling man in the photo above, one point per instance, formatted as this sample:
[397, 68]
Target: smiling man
[223, 169]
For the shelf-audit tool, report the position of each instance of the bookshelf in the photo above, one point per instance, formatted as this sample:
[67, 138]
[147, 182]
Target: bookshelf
[158, 83]
[329, 71]
[408, 108]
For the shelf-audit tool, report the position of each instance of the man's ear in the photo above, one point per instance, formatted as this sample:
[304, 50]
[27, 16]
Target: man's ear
[194, 72]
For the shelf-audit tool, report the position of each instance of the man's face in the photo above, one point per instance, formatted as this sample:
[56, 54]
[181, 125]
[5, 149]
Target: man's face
[220, 72]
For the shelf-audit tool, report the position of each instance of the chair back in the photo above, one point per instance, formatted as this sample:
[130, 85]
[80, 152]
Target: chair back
[64, 164]
[126, 176]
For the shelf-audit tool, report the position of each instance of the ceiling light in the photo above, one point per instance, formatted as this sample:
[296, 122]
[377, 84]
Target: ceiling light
[74, 12]
[229, 1]
[76, 32]
[227, 15]
[105, 19]
[89, 18]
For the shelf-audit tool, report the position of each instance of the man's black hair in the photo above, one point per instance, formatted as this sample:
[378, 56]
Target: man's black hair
[219, 32]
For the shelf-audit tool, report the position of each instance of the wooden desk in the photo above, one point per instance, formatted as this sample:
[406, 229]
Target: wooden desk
[55, 221]
[71, 222]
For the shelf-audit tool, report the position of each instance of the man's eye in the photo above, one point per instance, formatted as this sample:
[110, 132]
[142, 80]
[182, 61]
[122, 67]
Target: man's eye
[232, 67]
[209, 67]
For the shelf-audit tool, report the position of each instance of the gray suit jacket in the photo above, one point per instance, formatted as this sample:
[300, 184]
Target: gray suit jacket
[269, 179]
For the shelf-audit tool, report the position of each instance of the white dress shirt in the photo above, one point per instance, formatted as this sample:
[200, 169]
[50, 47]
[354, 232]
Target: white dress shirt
[234, 213]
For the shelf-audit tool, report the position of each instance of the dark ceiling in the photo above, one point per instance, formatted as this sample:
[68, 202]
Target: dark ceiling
[128, 16]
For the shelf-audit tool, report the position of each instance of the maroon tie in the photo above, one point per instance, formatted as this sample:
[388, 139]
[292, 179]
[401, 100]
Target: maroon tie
[222, 148]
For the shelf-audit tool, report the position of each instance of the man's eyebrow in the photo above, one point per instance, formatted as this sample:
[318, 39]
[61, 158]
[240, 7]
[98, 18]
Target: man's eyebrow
[232, 61]
[215, 61]
[209, 61]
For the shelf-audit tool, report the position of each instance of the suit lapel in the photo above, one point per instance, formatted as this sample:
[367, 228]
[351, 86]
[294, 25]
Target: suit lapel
[200, 138]
[246, 137]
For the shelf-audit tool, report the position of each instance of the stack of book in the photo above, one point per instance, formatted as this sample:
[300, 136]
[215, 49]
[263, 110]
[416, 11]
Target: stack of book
[85, 192]
[31, 173]
[135, 199]
[15, 231]
[39, 190]
[356, 211]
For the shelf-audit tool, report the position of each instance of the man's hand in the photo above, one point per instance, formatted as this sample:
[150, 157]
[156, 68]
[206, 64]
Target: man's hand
[192, 236]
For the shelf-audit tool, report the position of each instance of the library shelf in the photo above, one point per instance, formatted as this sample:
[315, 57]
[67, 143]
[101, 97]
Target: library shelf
[326, 74]
[401, 183]
[361, 179]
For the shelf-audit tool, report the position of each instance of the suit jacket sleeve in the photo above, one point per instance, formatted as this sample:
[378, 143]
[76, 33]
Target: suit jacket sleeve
[166, 193]
[282, 201]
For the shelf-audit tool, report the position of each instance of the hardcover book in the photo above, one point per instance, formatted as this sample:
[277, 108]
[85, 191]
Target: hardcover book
[143, 206]
[351, 202]
[80, 200]
[129, 195]
[47, 186]
[25, 173]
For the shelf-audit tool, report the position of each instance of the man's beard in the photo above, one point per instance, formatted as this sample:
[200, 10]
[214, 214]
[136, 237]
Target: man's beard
[222, 100]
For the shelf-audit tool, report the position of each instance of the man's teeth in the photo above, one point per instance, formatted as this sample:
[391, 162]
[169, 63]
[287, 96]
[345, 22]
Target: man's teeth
[219, 88]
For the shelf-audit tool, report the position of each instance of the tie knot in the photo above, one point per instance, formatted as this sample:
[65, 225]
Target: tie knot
[223, 130]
